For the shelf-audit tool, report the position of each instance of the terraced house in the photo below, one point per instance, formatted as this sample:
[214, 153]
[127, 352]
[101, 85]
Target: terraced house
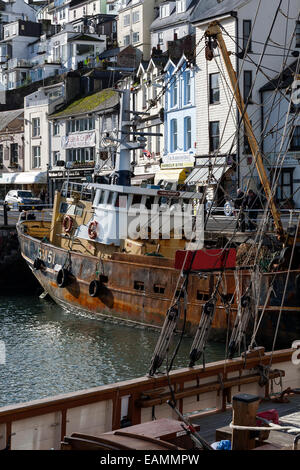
[245, 35]
[135, 18]
[78, 134]
[180, 123]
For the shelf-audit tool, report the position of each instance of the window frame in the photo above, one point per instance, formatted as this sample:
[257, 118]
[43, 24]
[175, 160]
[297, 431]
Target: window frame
[173, 135]
[212, 136]
[247, 35]
[292, 146]
[36, 158]
[36, 129]
[187, 133]
[247, 97]
[212, 88]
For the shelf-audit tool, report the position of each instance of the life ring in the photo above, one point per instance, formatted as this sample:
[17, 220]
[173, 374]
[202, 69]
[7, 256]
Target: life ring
[67, 223]
[63, 278]
[92, 230]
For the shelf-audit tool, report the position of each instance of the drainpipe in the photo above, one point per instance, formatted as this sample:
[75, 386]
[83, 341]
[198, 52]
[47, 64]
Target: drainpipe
[49, 165]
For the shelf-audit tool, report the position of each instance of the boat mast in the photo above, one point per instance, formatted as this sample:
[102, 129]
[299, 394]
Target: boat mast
[214, 31]
[126, 122]
[123, 160]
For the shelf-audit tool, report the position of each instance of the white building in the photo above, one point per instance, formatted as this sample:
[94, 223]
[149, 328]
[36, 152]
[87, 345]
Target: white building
[281, 146]
[37, 137]
[32, 58]
[78, 134]
[135, 18]
[14, 52]
[147, 98]
[173, 22]
[16, 10]
[113, 6]
[245, 27]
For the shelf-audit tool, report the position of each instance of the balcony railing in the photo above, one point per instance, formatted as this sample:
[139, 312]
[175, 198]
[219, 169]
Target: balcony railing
[15, 63]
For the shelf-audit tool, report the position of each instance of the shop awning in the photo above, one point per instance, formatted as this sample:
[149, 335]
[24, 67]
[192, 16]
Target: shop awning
[200, 175]
[138, 179]
[24, 177]
[177, 175]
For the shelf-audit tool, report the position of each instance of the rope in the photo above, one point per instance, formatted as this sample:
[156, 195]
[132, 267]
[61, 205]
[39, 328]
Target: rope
[273, 426]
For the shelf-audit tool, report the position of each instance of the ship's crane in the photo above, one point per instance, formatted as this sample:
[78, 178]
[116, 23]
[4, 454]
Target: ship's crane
[214, 33]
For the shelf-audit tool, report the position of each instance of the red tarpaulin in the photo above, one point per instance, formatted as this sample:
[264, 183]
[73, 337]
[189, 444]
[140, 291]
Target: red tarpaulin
[206, 260]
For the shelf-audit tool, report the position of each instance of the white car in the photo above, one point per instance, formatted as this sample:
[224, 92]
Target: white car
[20, 199]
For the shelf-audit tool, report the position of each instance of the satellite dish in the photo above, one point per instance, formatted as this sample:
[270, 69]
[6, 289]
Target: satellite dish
[106, 139]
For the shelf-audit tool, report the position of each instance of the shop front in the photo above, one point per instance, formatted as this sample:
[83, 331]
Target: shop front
[76, 173]
[174, 171]
[214, 176]
[30, 180]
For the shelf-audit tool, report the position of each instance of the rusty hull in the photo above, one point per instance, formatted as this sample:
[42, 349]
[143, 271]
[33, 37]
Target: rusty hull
[120, 295]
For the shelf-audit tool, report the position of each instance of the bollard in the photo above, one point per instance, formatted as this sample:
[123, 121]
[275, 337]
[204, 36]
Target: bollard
[244, 414]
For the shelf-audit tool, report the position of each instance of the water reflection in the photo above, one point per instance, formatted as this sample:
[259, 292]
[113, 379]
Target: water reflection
[51, 351]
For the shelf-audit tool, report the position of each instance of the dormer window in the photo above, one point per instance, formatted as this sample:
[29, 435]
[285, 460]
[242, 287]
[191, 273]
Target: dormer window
[180, 6]
[164, 10]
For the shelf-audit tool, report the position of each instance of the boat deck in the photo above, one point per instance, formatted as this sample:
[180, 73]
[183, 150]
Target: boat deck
[289, 413]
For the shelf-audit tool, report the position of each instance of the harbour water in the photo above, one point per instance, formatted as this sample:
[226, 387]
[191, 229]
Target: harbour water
[50, 351]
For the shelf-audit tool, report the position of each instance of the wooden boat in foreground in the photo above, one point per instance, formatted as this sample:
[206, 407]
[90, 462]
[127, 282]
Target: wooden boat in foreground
[139, 407]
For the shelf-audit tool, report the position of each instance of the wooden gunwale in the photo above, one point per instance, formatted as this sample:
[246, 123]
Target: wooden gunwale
[135, 387]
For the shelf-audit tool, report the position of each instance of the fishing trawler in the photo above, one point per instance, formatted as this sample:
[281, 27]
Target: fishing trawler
[173, 284]
[85, 259]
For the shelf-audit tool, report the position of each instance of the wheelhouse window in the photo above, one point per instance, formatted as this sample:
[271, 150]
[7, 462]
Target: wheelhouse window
[247, 43]
[214, 88]
[214, 135]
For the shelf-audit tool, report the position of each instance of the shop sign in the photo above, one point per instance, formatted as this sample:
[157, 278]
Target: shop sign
[84, 139]
[181, 158]
[177, 165]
